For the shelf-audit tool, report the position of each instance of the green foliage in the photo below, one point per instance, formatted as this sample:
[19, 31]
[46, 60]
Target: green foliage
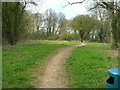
[25, 26]
[87, 66]
[83, 24]
[15, 22]
[67, 36]
[54, 37]
[11, 11]
[20, 61]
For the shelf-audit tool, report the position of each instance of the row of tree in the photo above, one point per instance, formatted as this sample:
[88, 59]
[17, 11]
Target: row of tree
[19, 24]
[113, 10]
[49, 24]
[102, 25]
[52, 25]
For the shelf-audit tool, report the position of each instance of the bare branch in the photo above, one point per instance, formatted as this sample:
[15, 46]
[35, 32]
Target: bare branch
[106, 6]
[103, 6]
[24, 6]
[72, 3]
[114, 7]
[68, 3]
[33, 3]
[76, 2]
[94, 7]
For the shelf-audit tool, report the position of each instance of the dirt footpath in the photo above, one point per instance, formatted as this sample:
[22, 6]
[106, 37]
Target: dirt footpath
[55, 74]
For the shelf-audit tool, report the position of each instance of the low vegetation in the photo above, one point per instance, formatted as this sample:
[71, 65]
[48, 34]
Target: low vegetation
[87, 66]
[19, 62]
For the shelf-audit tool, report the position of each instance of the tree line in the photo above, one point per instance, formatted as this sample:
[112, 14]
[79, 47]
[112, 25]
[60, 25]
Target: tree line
[113, 10]
[102, 25]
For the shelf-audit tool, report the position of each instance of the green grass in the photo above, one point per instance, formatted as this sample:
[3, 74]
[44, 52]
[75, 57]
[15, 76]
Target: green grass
[60, 42]
[20, 61]
[87, 66]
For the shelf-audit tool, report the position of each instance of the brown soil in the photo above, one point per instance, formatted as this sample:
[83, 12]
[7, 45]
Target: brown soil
[55, 75]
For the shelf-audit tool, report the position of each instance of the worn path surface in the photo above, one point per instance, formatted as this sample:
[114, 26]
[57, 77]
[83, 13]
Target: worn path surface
[55, 75]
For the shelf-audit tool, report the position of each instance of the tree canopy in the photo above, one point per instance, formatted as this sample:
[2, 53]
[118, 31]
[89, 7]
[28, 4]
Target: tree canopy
[83, 24]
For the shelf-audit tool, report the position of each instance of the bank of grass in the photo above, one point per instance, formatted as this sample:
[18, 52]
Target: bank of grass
[20, 61]
[60, 42]
[87, 66]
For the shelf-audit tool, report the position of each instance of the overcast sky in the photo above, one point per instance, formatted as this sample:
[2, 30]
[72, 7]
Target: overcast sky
[70, 11]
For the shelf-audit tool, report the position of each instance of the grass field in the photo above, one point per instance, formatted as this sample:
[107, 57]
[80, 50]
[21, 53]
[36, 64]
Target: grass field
[19, 62]
[87, 66]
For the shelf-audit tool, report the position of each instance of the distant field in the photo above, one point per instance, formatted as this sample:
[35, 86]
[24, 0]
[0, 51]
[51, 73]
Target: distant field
[87, 66]
[60, 42]
[53, 42]
[20, 61]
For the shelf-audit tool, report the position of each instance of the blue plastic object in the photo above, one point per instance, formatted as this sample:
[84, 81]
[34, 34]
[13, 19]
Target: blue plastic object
[114, 80]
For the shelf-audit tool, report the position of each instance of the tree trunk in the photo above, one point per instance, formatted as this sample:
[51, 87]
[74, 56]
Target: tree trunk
[81, 36]
[114, 44]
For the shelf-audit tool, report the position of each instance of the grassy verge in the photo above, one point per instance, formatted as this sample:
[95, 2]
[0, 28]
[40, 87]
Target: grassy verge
[55, 42]
[20, 61]
[87, 66]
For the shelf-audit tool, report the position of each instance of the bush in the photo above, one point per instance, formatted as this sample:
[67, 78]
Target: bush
[67, 36]
[53, 37]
